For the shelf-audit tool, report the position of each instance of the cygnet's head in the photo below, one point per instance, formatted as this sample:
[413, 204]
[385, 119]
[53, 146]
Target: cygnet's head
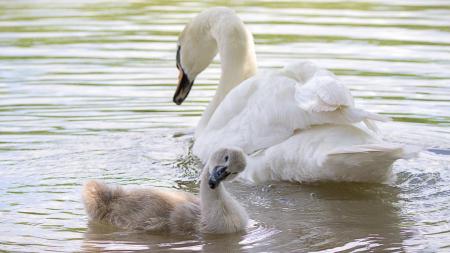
[225, 164]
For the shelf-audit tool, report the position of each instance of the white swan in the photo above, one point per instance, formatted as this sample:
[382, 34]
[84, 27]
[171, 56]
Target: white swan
[155, 210]
[301, 118]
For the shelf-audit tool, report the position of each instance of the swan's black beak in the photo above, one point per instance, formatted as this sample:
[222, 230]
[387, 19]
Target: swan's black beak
[184, 84]
[218, 174]
[183, 88]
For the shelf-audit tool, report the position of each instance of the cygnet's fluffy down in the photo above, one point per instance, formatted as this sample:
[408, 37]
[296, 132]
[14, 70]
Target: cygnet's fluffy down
[158, 210]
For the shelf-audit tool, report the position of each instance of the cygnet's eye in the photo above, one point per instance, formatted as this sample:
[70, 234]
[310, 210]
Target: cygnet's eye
[226, 158]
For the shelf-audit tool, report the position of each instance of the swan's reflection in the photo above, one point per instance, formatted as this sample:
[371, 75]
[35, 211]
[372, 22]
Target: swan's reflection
[315, 217]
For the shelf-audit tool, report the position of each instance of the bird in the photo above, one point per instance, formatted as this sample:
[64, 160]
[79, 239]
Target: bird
[298, 123]
[156, 210]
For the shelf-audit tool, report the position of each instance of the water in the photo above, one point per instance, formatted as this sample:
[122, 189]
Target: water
[86, 88]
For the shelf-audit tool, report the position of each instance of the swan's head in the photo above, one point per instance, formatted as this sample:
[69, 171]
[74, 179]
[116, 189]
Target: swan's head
[215, 29]
[196, 49]
[225, 164]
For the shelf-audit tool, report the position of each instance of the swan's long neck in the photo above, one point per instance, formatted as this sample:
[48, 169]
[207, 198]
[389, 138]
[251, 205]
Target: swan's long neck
[220, 212]
[238, 60]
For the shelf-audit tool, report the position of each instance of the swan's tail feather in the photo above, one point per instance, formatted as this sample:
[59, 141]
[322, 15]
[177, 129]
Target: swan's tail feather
[371, 125]
[376, 117]
[98, 197]
[364, 163]
[355, 115]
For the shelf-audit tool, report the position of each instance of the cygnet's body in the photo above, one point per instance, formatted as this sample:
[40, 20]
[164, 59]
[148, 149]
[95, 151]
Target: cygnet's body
[157, 210]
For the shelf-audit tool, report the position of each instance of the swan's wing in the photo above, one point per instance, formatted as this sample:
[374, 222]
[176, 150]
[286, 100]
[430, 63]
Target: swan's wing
[268, 108]
[324, 95]
[317, 90]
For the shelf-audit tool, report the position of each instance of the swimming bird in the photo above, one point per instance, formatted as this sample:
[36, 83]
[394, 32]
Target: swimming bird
[298, 123]
[157, 210]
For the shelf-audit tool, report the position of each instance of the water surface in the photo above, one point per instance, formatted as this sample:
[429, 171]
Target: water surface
[85, 92]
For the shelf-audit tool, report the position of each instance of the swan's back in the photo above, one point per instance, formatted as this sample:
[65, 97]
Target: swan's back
[267, 108]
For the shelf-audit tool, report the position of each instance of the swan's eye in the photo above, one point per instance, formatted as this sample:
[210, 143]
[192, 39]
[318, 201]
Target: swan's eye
[226, 158]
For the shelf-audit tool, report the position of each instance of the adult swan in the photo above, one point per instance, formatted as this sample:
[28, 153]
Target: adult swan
[296, 124]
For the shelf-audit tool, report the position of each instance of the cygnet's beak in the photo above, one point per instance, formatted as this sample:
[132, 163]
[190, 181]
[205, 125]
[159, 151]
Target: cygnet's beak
[184, 84]
[218, 174]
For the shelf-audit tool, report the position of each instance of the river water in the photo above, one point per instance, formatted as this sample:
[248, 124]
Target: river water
[86, 88]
